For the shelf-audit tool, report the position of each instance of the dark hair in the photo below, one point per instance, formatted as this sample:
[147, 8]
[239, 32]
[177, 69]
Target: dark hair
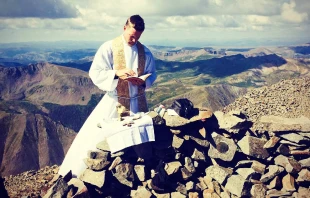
[136, 22]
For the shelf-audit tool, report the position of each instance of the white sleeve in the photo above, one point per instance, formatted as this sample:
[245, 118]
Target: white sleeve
[101, 70]
[149, 68]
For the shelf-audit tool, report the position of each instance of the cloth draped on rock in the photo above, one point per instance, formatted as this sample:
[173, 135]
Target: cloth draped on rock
[102, 73]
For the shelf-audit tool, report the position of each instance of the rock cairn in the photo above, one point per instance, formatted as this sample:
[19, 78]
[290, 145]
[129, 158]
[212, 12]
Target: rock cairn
[215, 155]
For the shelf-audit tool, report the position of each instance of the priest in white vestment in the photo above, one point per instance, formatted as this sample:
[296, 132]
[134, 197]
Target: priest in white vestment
[115, 60]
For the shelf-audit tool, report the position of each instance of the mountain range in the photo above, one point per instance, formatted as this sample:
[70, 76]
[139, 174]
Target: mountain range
[43, 105]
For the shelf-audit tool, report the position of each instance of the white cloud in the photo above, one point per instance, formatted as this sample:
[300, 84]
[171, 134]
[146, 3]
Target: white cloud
[258, 20]
[291, 15]
[40, 9]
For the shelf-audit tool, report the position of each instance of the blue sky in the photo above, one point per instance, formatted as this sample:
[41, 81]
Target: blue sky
[168, 22]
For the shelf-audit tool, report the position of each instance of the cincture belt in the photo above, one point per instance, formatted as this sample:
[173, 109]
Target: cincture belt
[112, 95]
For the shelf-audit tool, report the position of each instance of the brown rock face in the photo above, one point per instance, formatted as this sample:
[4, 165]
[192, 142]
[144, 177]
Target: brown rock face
[34, 143]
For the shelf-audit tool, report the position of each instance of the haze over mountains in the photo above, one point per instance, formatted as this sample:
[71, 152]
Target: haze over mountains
[46, 95]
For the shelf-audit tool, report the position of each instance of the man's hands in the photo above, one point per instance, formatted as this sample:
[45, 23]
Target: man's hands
[124, 73]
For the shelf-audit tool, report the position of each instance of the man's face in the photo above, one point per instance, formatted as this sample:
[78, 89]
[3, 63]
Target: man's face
[131, 35]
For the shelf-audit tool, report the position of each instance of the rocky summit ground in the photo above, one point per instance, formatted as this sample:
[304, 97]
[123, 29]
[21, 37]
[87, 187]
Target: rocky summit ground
[288, 98]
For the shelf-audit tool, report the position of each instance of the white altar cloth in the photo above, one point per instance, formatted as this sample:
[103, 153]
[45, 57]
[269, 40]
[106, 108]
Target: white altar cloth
[120, 137]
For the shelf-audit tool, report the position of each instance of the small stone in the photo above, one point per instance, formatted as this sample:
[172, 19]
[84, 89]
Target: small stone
[303, 175]
[223, 149]
[193, 195]
[247, 173]
[253, 146]
[258, 191]
[275, 183]
[96, 178]
[141, 192]
[305, 163]
[288, 183]
[177, 142]
[189, 185]
[271, 142]
[202, 184]
[201, 142]
[96, 164]
[258, 167]
[278, 193]
[172, 167]
[293, 137]
[274, 170]
[290, 164]
[217, 173]
[283, 149]
[189, 165]
[237, 185]
[303, 192]
[140, 172]
[185, 173]
[198, 155]
[115, 162]
[104, 146]
[177, 195]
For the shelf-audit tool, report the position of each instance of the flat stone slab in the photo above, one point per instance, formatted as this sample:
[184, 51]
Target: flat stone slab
[237, 185]
[253, 146]
[218, 173]
[223, 149]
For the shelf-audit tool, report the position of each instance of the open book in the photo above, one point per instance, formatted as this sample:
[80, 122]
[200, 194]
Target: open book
[139, 80]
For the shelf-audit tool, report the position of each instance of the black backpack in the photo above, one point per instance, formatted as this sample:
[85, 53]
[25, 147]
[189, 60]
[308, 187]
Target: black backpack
[183, 107]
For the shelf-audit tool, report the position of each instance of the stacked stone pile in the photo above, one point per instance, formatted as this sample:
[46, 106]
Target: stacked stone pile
[218, 154]
[217, 157]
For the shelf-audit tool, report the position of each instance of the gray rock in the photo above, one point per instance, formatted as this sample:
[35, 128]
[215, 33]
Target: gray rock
[247, 173]
[271, 142]
[288, 183]
[218, 173]
[238, 186]
[189, 185]
[258, 167]
[175, 121]
[181, 188]
[96, 164]
[283, 149]
[189, 165]
[280, 124]
[172, 167]
[303, 175]
[293, 137]
[115, 162]
[201, 142]
[275, 183]
[98, 154]
[140, 172]
[96, 178]
[177, 195]
[185, 173]
[258, 191]
[141, 192]
[82, 190]
[253, 146]
[124, 174]
[305, 163]
[224, 149]
[58, 190]
[290, 164]
[292, 143]
[278, 193]
[303, 192]
[274, 170]
[104, 146]
[177, 142]
[233, 121]
[198, 155]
